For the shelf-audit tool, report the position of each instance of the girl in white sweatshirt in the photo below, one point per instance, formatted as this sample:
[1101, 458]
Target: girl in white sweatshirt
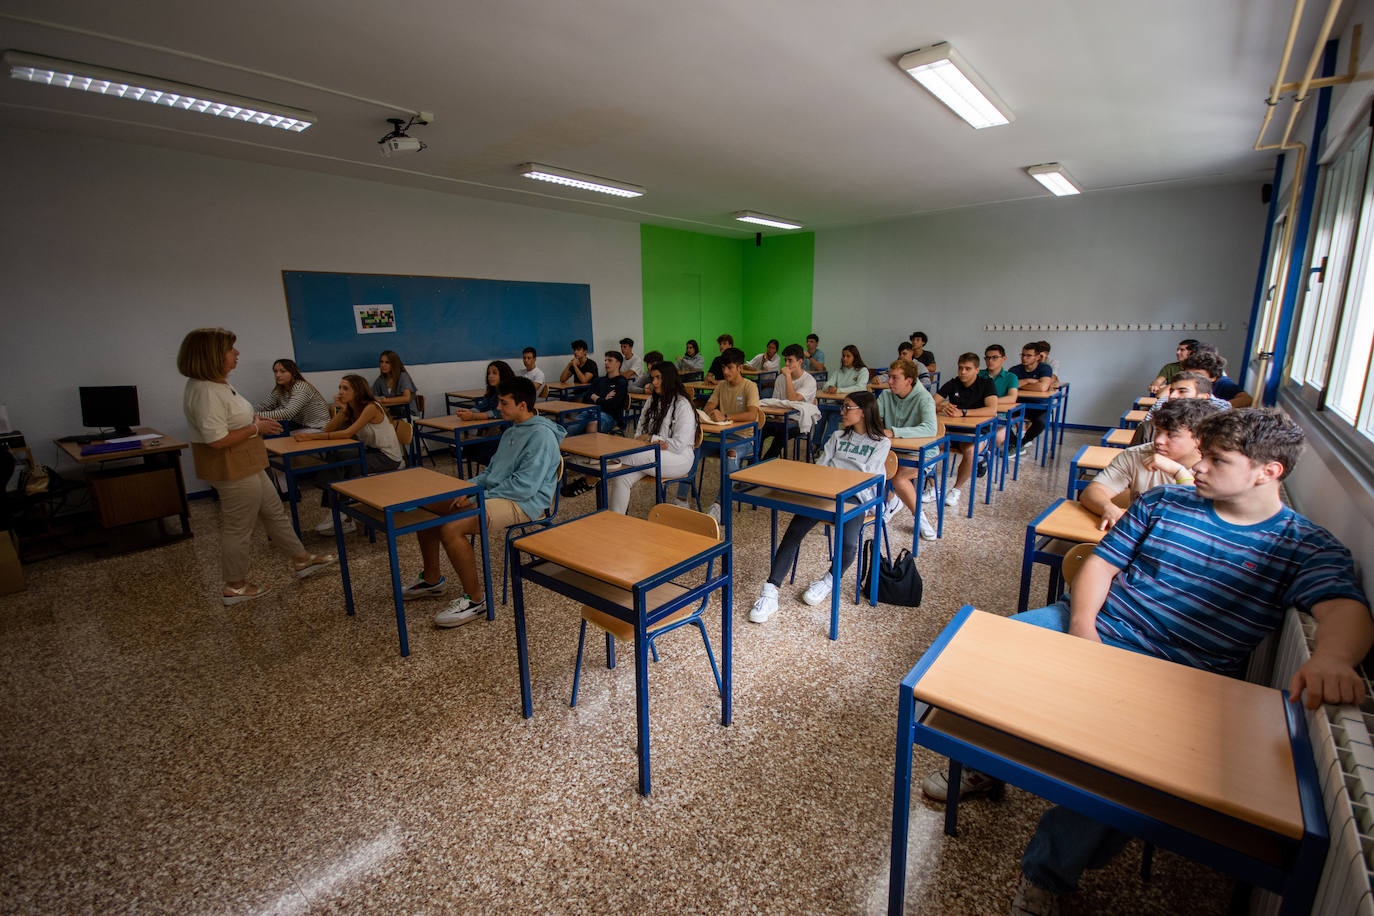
[858, 445]
[669, 419]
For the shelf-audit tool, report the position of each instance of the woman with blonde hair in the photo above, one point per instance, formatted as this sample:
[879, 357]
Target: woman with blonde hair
[293, 398]
[227, 449]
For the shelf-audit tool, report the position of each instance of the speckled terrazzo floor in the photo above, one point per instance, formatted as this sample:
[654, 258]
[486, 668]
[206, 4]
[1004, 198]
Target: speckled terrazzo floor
[164, 754]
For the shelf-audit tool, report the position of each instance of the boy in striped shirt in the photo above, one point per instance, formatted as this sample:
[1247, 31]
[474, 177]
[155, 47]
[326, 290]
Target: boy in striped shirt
[1200, 578]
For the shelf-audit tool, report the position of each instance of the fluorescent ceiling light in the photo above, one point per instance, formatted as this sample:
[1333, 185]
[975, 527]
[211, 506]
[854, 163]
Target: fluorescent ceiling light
[1053, 176]
[763, 219]
[950, 79]
[73, 75]
[579, 180]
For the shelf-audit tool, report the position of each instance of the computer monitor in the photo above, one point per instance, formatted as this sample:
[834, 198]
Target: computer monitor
[110, 406]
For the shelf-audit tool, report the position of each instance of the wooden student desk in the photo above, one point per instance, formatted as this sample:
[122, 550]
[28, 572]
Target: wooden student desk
[720, 438]
[981, 432]
[1088, 458]
[391, 503]
[450, 432]
[301, 459]
[568, 390]
[152, 489]
[1132, 418]
[1146, 402]
[465, 397]
[625, 567]
[565, 412]
[1213, 768]
[1118, 438]
[1065, 520]
[815, 491]
[607, 450]
[1052, 403]
[923, 454]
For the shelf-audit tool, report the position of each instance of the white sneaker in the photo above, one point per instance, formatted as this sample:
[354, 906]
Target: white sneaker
[931, 494]
[460, 611]
[683, 502]
[817, 591]
[423, 589]
[767, 605]
[894, 505]
[927, 528]
[952, 497]
[326, 527]
[714, 512]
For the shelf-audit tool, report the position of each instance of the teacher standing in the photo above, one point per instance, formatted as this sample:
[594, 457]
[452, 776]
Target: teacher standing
[227, 448]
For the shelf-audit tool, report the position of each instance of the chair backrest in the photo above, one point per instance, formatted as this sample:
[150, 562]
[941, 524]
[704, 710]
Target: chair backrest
[404, 432]
[1073, 561]
[420, 404]
[685, 519]
[890, 465]
[557, 485]
[543, 391]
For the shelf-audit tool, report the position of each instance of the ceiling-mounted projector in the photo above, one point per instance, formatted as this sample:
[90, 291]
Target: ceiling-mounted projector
[397, 141]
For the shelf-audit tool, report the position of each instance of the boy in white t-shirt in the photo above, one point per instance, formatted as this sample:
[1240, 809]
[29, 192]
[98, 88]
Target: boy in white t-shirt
[529, 369]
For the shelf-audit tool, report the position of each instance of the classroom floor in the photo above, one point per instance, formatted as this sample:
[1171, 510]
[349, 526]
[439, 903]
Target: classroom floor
[162, 753]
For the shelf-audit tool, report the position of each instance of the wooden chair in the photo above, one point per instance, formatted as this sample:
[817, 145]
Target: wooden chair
[690, 477]
[525, 528]
[1073, 561]
[405, 435]
[615, 628]
[421, 445]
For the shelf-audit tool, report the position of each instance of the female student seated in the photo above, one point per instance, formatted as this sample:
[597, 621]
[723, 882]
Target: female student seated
[768, 360]
[859, 445]
[669, 419]
[293, 400]
[393, 387]
[360, 417]
[692, 360]
[851, 376]
[498, 371]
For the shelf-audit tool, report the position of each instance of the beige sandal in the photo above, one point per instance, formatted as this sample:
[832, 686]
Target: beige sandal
[316, 562]
[245, 592]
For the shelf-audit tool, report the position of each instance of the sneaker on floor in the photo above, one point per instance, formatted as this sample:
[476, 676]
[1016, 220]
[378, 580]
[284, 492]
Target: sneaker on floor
[460, 611]
[982, 467]
[575, 487]
[1033, 900]
[683, 502]
[316, 563]
[714, 512]
[817, 591]
[930, 495]
[243, 593]
[927, 528]
[952, 497]
[326, 527]
[894, 505]
[971, 782]
[766, 606]
[423, 589]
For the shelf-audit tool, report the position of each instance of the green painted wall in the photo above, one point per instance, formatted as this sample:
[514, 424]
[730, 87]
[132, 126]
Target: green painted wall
[778, 280]
[699, 286]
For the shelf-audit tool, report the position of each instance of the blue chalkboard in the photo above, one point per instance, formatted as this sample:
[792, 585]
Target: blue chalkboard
[438, 319]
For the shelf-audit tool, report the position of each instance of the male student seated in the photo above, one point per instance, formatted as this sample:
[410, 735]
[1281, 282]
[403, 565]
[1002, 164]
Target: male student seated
[517, 486]
[1208, 360]
[640, 382]
[907, 352]
[581, 369]
[1200, 578]
[908, 412]
[919, 353]
[630, 365]
[1186, 348]
[735, 399]
[1002, 378]
[768, 360]
[814, 361]
[611, 394]
[1190, 384]
[794, 384]
[528, 368]
[1032, 375]
[1042, 354]
[1168, 459]
[714, 374]
[966, 395]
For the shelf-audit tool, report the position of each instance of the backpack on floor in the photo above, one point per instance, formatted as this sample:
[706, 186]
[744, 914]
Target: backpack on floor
[898, 580]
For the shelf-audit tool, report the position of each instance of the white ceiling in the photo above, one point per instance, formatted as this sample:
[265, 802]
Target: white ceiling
[789, 107]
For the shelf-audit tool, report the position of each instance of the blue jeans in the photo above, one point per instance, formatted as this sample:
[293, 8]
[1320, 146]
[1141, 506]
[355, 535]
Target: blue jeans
[1066, 842]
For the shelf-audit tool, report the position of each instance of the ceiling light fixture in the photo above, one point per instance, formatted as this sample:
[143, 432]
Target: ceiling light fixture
[579, 180]
[763, 219]
[120, 84]
[1053, 177]
[950, 79]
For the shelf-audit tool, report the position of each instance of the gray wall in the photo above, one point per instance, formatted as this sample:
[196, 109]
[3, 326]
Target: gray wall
[1144, 256]
[110, 253]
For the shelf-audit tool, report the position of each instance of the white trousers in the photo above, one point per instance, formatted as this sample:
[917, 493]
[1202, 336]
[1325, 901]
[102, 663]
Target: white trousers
[672, 465]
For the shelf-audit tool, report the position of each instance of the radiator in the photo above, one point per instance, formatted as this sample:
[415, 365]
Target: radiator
[1344, 753]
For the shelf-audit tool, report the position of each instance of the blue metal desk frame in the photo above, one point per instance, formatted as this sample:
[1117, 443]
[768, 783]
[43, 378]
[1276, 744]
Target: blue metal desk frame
[1034, 554]
[293, 493]
[1013, 416]
[582, 414]
[641, 619]
[983, 436]
[604, 474]
[847, 506]
[924, 462]
[1077, 484]
[568, 391]
[453, 401]
[1052, 406]
[720, 443]
[454, 438]
[1296, 879]
[342, 505]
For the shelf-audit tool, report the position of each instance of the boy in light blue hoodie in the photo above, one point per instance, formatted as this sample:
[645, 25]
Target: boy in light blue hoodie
[518, 485]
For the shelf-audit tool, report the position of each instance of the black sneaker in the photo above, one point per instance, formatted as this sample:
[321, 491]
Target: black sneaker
[983, 468]
[575, 487]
